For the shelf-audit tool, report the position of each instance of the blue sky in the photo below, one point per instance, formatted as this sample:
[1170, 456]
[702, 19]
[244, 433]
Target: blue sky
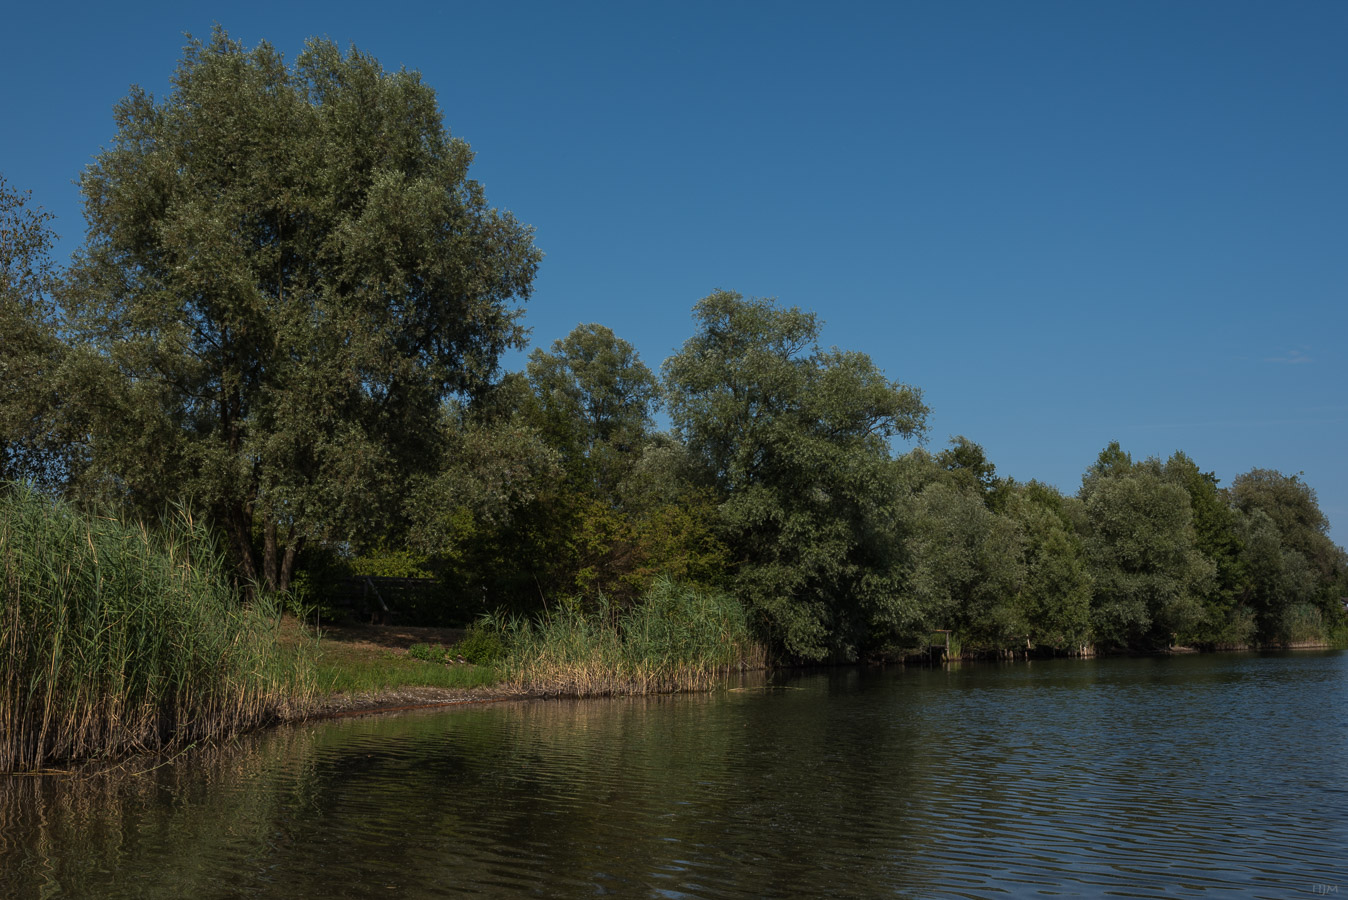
[1068, 223]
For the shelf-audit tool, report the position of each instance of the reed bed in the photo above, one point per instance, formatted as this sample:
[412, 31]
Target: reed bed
[675, 638]
[115, 638]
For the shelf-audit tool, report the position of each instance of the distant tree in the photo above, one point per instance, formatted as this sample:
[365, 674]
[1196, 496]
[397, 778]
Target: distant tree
[660, 520]
[514, 516]
[1302, 528]
[1148, 573]
[1277, 578]
[1218, 536]
[1055, 594]
[597, 398]
[1112, 462]
[1292, 506]
[796, 441]
[676, 515]
[288, 271]
[593, 401]
[968, 568]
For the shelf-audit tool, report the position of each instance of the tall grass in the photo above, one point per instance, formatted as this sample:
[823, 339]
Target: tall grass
[114, 638]
[675, 638]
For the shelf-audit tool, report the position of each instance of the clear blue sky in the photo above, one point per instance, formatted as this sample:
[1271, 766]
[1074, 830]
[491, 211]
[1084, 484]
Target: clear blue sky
[1068, 223]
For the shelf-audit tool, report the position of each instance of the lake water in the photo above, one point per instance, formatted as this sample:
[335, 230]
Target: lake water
[1220, 776]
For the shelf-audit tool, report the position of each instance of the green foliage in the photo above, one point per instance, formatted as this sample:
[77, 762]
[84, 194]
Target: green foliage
[596, 398]
[1174, 558]
[1302, 530]
[1276, 578]
[1217, 535]
[488, 519]
[287, 272]
[114, 638]
[618, 552]
[386, 562]
[968, 468]
[428, 653]
[676, 532]
[1286, 499]
[575, 496]
[593, 400]
[482, 645]
[1302, 622]
[491, 467]
[795, 439]
[1055, 593]
[1143, 555]
[967, 567]
[30, 351]
[1112, 462]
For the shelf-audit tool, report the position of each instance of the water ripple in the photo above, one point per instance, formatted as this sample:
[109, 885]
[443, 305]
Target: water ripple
[1209, 776]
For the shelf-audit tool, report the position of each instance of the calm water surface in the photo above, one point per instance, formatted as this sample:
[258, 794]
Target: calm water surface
[1222, 775]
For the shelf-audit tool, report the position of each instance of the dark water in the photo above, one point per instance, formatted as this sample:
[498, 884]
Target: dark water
[1220, 776]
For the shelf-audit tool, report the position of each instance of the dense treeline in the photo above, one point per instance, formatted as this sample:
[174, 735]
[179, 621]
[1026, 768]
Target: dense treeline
[780, 483]
[289, 312]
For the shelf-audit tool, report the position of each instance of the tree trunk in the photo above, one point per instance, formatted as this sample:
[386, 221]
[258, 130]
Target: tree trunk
[240, 536]
[293, 546]
[269, 569]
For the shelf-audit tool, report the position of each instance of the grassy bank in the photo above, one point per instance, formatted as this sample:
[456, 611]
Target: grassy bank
[115, 638]
[675, 638]
[355, 668]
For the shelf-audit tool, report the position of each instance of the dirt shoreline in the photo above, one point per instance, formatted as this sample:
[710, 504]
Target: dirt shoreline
[371, 703]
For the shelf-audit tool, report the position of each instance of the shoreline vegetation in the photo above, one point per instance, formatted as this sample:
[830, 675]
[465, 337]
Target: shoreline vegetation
[418, 688]
[122, 639]
[118, 638]
[676, 640]
[297, 335]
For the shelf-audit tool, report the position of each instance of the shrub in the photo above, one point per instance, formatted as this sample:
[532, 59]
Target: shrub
[482, 645]
[428, 653]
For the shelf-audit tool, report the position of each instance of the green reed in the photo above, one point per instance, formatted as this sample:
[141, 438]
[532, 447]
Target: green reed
[116, 638]
[675, 638]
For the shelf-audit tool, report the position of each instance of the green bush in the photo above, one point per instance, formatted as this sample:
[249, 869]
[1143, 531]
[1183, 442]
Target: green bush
[482, 645]
[428, 653]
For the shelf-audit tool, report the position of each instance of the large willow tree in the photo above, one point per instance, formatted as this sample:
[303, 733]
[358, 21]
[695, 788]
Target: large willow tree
[797, 441]
[288, 270]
